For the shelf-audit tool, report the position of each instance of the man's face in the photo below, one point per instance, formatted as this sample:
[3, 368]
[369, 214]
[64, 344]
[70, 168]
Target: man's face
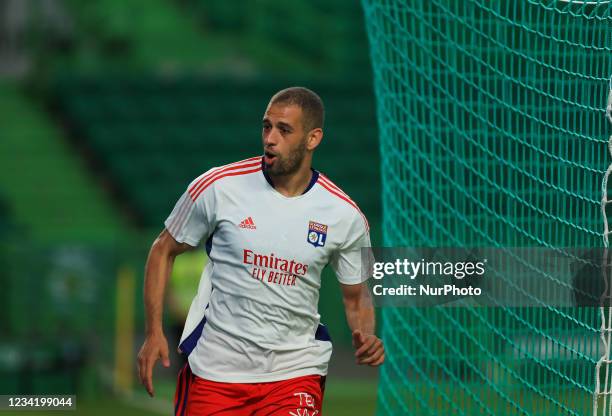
[284, 139]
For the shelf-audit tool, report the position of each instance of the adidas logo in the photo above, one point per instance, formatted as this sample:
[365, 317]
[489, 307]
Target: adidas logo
[248, 223]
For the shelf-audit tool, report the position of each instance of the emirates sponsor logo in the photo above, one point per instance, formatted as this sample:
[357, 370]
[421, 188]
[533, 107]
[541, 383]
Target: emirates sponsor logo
[248, 223]
[273, 269]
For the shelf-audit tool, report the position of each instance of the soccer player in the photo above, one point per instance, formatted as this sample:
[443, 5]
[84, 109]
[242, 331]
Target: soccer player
[271, 223]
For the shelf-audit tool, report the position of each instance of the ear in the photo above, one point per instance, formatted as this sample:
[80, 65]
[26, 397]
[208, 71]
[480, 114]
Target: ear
[314, 138]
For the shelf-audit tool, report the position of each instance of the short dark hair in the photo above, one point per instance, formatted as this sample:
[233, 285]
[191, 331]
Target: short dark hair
[313, 112]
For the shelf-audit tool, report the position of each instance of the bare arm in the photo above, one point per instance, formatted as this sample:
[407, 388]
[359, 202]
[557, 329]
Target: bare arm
[361, 319]
[157, 272]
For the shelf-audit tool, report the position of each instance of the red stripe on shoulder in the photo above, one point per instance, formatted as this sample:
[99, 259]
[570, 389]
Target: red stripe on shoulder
[334, 190]
[205, 180]
[325, 179]
[196, 194]
[333, 185]
[224, 167]
[213, 176]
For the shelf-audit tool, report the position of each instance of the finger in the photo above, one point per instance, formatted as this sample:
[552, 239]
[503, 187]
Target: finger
[141, 369]
[369, 342]
[149, 377]
[370, 358]
[378, 344]
[365, 346]
[165, 358]
[373, 357]
[378, 362]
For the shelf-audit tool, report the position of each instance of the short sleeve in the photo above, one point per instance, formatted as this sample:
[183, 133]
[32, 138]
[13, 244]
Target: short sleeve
[347, 259]
[193, 216]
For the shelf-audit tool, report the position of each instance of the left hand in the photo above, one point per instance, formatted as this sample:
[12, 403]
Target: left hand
[369, 349]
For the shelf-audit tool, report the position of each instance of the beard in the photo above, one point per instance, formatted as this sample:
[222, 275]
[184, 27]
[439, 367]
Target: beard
[288, 165]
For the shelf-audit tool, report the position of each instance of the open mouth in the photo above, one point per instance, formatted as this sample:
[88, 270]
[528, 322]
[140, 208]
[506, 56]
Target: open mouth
[269, 158]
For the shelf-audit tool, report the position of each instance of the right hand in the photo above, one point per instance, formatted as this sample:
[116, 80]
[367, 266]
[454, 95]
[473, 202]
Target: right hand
[155, 347]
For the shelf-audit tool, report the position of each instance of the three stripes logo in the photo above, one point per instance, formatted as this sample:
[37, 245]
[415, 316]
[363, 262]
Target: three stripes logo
[248, 223]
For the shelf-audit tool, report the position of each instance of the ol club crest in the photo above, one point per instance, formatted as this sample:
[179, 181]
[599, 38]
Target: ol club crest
[317, 233]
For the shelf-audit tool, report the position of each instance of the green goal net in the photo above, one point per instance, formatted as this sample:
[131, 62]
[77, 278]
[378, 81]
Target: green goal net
[493, 133]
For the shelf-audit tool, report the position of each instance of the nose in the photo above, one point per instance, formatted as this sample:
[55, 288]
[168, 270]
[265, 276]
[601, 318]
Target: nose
[270, 138]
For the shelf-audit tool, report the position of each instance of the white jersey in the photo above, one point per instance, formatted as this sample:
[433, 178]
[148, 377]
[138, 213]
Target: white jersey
[254, 318]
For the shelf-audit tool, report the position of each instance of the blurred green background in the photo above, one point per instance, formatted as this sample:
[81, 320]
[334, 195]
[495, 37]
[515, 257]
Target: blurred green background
[107, 110]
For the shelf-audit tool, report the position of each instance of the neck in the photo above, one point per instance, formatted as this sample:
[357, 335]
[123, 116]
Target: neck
[294, 184]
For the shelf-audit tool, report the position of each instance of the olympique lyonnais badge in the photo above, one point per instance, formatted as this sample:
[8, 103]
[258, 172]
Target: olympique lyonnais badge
[317, 233]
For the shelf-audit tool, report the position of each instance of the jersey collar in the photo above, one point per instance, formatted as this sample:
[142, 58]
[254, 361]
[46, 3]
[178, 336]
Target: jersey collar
[313, 179]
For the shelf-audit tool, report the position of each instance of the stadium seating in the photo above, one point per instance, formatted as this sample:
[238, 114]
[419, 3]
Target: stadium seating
[322, 39]
[51, 197]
